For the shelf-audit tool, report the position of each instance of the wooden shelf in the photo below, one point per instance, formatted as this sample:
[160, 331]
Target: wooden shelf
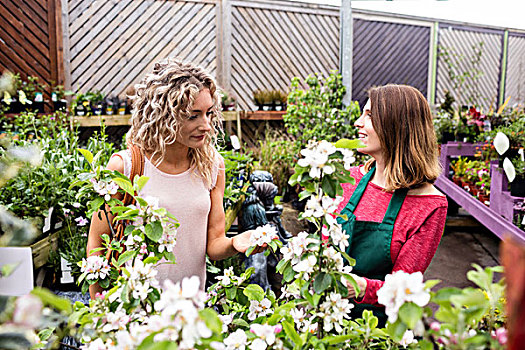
[262, 115]
[109, 120]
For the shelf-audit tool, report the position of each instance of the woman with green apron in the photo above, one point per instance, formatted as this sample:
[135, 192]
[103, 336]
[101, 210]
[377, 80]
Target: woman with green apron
[395, 216]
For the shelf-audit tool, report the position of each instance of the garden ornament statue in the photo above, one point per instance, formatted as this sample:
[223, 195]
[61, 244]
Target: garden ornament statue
[259, 209]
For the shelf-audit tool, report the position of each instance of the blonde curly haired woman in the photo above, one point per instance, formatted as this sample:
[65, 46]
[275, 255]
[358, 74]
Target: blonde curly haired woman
[174, 122]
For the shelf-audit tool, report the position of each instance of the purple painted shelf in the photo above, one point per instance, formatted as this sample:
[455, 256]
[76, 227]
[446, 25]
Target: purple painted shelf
[498, 217]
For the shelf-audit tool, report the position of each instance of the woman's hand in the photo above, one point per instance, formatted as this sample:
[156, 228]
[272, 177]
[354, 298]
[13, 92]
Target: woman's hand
[241, 243]
[361, 283]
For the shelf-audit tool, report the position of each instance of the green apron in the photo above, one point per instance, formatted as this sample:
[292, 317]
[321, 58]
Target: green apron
[369, 242]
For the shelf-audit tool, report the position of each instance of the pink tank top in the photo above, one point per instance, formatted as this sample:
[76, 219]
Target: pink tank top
[185, 196]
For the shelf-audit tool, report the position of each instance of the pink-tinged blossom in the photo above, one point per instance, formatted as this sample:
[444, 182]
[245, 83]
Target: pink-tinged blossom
[105, 189]
[82, 221]
[95, 267]
[28, 309]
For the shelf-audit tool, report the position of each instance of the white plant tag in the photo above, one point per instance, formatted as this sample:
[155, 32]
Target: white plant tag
[47, 221]
[65, 266]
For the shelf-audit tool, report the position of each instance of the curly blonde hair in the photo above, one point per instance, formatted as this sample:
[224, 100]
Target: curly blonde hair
[162, 100]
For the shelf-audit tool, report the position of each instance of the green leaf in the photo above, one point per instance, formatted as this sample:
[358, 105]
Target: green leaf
[329, 186]
[125, 185]
[346, 143]
[292, 333]
[254, 292]
[288, 273]
[336, 339]
[96, 203]
[280, 312]
[410, 314]
[212, 320]
[104, 283]
[126, 256]
[429, 284]
[125, 294]
[48, 298]
[153, 230]
[241, 323]
[151, 260]
[231, 292]
[396, 330]
[425, 345]
[250, 250]
[87, 154]
[322, 282]
[304, 194]
[349, 261]
[141, 181]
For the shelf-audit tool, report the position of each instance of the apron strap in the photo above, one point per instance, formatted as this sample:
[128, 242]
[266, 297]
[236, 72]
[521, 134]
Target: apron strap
[394, 206]
[360, 189]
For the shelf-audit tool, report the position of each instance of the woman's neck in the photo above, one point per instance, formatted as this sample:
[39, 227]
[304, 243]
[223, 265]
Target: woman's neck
[379, 176]
[176, 159]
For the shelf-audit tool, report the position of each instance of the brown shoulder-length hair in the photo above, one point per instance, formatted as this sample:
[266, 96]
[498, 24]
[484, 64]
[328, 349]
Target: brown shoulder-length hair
[402, 120]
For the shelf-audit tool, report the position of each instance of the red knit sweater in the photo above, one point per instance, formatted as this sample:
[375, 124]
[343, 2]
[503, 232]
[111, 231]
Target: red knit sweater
[417, 230]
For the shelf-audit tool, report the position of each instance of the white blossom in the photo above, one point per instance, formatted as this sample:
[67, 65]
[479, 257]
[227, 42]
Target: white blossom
[259, 308]
[408, 338]
[401, 287]
[264, 332]
[317, 157]
[348, 157]
[226, 278]
[337, 234]
[263, 235]
[236, 340]
[306, 265]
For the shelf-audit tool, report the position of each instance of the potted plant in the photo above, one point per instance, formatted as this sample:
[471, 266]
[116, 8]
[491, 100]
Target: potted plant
[459, 167]
[259, 97]
[96, 101]
[58, 97]
[80, 105]
[123, 107]
[517, 186]
[483, 182]
[227, 101]
[279, 100]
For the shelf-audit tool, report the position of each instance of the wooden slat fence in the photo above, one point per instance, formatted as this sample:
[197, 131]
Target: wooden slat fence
[515, 75]
[386, 52]
[274, 43]
[460, 42]
[30, 40]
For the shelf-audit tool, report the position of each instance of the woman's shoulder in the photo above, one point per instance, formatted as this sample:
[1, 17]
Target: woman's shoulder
[117, 161]
[426, 190]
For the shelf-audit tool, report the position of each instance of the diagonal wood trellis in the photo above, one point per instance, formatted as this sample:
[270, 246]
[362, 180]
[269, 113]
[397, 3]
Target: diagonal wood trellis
[29, 40]
[112, 44]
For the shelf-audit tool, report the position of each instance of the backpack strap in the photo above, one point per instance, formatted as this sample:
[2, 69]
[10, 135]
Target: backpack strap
[137, 168]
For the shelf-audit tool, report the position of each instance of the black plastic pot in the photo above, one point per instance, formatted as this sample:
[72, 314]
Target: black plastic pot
[517, 187]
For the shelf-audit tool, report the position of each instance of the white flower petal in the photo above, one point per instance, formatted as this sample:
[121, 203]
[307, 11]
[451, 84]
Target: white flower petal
[501, 143]
[510, 171]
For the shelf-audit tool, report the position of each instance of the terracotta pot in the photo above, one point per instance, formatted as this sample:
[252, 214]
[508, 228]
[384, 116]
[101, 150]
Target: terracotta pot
[456, 180]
